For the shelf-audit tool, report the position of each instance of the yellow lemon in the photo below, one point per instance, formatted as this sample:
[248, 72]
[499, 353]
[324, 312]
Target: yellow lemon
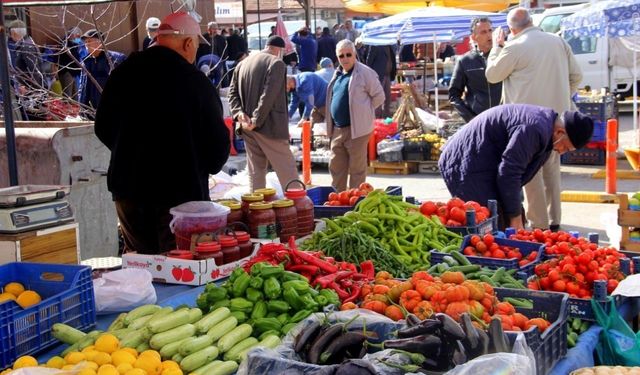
[122, 356]
[89, 349]
[172, 371]
[169, 364]
[90, 364]
[108, 369]
[87, 371]
[124, 367]
[151, 353]
[91, 355]
[107, 343]
[6, 296]
[102, 358]
[14, 288]
[28, 298]
[68, 367]
[136, 371]
[74, 358]
[25, 361]
[56, 362]
[132, 351]
[149, 363]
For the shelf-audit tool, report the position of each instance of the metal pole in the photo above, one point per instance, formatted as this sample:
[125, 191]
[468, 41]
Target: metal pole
[10, 134]
[635, 95]
[435, 69]
[259, 26]
[244, 20]
[307, 13]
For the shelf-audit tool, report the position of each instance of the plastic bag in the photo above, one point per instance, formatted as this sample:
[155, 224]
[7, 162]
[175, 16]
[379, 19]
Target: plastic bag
[618, 344]
[123, 290]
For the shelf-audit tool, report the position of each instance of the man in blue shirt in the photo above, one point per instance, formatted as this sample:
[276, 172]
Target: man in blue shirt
[311, 90]
[308, 50]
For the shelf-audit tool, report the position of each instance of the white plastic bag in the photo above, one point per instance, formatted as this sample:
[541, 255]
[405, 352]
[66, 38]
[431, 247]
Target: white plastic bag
[123, 290]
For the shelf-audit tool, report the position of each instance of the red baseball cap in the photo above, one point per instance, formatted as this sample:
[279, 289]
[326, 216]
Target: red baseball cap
[180, 23]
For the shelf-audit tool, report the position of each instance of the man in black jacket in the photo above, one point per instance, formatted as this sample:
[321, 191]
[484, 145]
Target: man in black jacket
[382, 59]
[469, 74]
[166, 135]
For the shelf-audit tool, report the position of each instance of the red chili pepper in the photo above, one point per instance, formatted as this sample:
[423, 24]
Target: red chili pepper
[368, 269]
[355, 293]
[358, 276]
[323, 265]
[343, 275]
[341, 292]
[302, 268]
[346, 283]
[330, 260]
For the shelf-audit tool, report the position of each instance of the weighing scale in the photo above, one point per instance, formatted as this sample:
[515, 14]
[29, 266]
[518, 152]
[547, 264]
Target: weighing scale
[28, 207]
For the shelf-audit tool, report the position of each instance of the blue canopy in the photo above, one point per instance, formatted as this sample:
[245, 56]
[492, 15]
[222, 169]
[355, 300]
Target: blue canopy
[612, 18]
[420, 25]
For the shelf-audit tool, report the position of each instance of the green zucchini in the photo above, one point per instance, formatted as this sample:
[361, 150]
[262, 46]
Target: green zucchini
[161, 339]
[230, 339]
[139, 312]
[194, 344]
[211, 319]
[199, 359]
[169, 321]
[222, 328]
[234, 353]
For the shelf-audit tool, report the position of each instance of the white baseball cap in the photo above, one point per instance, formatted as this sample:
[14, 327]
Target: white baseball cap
[153, 23]
[180, 23]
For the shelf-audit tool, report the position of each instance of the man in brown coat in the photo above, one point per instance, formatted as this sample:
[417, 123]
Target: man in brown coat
[258, 101]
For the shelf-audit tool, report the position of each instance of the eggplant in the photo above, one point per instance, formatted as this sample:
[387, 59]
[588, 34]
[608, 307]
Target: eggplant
[497, 337]
[425, 344]
[322, 341]
[412, 320]
[483, 342]
[471, 340]
[450, 327]
[356, 367]
[459, 355]
[306, 336]
[426, 326]
[336, 349]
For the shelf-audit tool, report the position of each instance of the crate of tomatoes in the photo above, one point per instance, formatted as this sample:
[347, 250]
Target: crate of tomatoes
[330, 203]
[464, 217]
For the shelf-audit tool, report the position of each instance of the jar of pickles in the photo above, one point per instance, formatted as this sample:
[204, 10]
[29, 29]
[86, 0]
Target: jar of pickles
[268, 193]
[262, 220]
[286, 219]
[304, 208]
[247, 199]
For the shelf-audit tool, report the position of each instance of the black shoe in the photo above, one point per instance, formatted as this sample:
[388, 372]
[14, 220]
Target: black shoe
[554, 227]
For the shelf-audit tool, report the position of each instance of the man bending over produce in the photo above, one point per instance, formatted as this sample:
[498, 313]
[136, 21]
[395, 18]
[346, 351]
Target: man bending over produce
[501, 149]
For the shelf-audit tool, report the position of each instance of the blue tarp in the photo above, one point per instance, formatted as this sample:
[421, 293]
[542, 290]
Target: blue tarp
[612, 18]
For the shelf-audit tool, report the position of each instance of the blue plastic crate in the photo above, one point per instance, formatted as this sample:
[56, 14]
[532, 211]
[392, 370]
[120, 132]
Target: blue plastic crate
[599, 131]
[525, 248]
[600, 111]
[320, 194]
[584, 156]
[551, 345]
[67, 297]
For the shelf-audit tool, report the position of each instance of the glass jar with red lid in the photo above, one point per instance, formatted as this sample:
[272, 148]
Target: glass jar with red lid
[247, 199]
[230, 248]
[304, 208]
[211, 249]
[235, 215]
[286, 219]
[244, 243]
[262, 220]
[180, 254]
[268, 193]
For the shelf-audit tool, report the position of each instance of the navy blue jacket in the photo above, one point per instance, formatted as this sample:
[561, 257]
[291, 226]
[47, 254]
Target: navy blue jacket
[327, 48]
[308, 52]
[497, 153]
[100, 70]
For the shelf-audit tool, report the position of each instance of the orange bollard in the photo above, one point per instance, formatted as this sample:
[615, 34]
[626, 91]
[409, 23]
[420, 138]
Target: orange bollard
[229, 122]
[372, 151]
[306, 152]
[610, 181]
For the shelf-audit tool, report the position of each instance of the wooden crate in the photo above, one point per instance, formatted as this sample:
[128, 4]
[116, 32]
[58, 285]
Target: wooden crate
[627, 219]
[428, 167]
[49, 245]
[401, 167]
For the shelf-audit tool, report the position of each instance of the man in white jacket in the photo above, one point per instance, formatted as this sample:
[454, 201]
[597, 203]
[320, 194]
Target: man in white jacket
[536, 68]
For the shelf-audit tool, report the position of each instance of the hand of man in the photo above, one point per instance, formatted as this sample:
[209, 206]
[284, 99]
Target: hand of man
[498, 37]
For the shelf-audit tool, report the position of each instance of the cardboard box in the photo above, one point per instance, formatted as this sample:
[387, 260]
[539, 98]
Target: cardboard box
[181, 271]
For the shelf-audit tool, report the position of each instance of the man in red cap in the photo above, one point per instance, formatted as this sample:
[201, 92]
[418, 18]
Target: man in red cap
[163, 122]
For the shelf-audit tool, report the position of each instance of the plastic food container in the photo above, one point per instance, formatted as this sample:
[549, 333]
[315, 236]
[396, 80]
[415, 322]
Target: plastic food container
[180, 254]
[196, 217]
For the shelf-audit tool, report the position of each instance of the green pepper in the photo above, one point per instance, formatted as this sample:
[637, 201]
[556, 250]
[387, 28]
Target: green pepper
[300, 286]
[259, 310]
[331, 295]
[255, 269]
[241, 304]
[308, 302]
[240, 316]
[240, 285]
[223, 303]
[300, 316]
[272, 288]
[216, 294]
[253, 295]
[321, 300]
[289, 276]
[271, 314]
[202, 303]
[256, 282]
[283, 318]
[235, 274]
[267, 324]
[271, 271]
[293, 298]
[278, 306]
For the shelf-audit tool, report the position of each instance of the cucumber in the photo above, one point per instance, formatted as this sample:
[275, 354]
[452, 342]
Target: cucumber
[450, 261]
[172, 348]
[234, 353]
[133, 339]
[118, 323]
[140, 322]
[271, 341]
[177, 358]
[203, 370]
[160, 313]
[169, 321]
[226, 368]
[195, 314]
[66, 333]
[69, 349]
[199, 359]
[460, 258]
[222, 328]
[194, 344]
[211, 319]
[142, 347]
[89, 339]
[121, 332]
[230, 339]
[139, 312]
[161, 339]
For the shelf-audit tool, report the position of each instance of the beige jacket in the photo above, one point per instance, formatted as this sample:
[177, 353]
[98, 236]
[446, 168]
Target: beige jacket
[365, 95]
[536, 68]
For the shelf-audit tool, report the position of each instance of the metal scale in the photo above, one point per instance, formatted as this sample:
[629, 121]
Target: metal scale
[27, 207]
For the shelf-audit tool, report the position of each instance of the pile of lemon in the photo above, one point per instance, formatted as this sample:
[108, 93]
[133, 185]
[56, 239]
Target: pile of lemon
[106, 357]
[16, 292]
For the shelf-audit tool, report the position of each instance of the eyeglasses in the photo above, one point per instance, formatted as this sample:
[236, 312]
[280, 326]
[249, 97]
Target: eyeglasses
[345, 55]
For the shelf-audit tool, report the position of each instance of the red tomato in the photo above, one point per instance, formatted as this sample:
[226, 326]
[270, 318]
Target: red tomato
[481, 247]
[474, 240]
[443, 211]
[458, 214]
[455, 202]
[353, 192]
[469, 250]
[344, 197]
[353, 200]
[365, 186]
[453, 223]
[488, 239]
[559, 286]
[428, 208]
[333, 196]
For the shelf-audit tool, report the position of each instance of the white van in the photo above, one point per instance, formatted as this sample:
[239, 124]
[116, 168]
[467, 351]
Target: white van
[593, 54]
[260, 31]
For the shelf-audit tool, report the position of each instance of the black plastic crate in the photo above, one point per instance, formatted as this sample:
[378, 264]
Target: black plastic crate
[551, 345]
[390, 156]
[416, 150]
[320, 194]
[600, 111]
[584, 156]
